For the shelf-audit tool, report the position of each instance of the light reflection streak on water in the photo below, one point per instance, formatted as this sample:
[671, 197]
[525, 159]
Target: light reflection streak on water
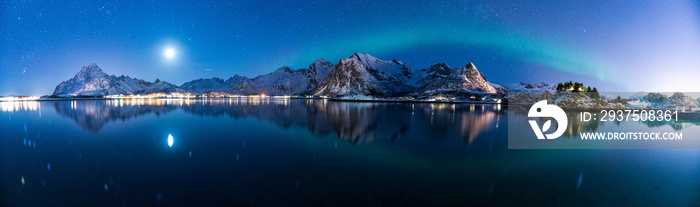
[187, 101]
[19, 106]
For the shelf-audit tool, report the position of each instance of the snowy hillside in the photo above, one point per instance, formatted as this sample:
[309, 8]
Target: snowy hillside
[394, 68]
[532, 87]
[680, 101]
[351, 77]
[465, 79]
[317, 72]
[200, 86]
[160, 87]
[286, 81]
[438, 70]
[283, 81]
[362, 74]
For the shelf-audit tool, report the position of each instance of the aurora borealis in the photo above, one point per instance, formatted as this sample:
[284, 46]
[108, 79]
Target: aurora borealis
[615, 45]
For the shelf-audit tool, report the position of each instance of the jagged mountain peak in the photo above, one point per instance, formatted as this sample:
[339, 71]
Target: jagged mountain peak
[320, 64]
[435, 71]
[90, 68]
[372, 61]
[440, 68]
[321, 61]
[368, 59]
[680, 101]
[285, 69]
[359, 56]
[678, 95]
[318, 71]
[235, 77]
[91, 71]
[364, 57]
[470, 65]
[345, 61]
[396, 69]
[351, 77]
[459, 80]
[467, 71]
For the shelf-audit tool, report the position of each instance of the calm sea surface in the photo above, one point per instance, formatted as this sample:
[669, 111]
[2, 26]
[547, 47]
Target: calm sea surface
[298, 152]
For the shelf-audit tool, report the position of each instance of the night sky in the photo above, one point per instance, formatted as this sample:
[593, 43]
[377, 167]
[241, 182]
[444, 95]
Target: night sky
[614, 45]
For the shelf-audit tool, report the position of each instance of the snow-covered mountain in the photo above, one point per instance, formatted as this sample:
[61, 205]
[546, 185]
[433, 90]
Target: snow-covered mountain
[680, 101]
[200, 86]
[499, 88]
[160, 86]
[637, 95]
[283, 81]
[318, 71]
[351, 77]
[362, 74]
[91, 80]
[286, 81]
[677, 101]
[532, 87]
[395, 68]
[465, 79]
[438, 70]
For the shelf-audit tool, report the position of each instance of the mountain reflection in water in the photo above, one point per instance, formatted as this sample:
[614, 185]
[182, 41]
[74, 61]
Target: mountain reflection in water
[357, 122]
[286, 152]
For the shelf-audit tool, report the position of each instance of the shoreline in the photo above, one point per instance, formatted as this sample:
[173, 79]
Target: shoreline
[338, 100]
[414, 101]
[268, 97]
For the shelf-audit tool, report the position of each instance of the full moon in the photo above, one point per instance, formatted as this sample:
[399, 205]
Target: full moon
[170, 53]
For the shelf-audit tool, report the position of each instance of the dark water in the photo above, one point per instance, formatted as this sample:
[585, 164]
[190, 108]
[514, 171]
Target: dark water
[278, 152]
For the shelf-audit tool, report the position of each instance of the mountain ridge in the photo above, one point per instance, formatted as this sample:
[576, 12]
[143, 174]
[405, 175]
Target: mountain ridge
[359, 74]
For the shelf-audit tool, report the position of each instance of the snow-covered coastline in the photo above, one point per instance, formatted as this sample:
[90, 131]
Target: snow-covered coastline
[360, 77]
[574, 101]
